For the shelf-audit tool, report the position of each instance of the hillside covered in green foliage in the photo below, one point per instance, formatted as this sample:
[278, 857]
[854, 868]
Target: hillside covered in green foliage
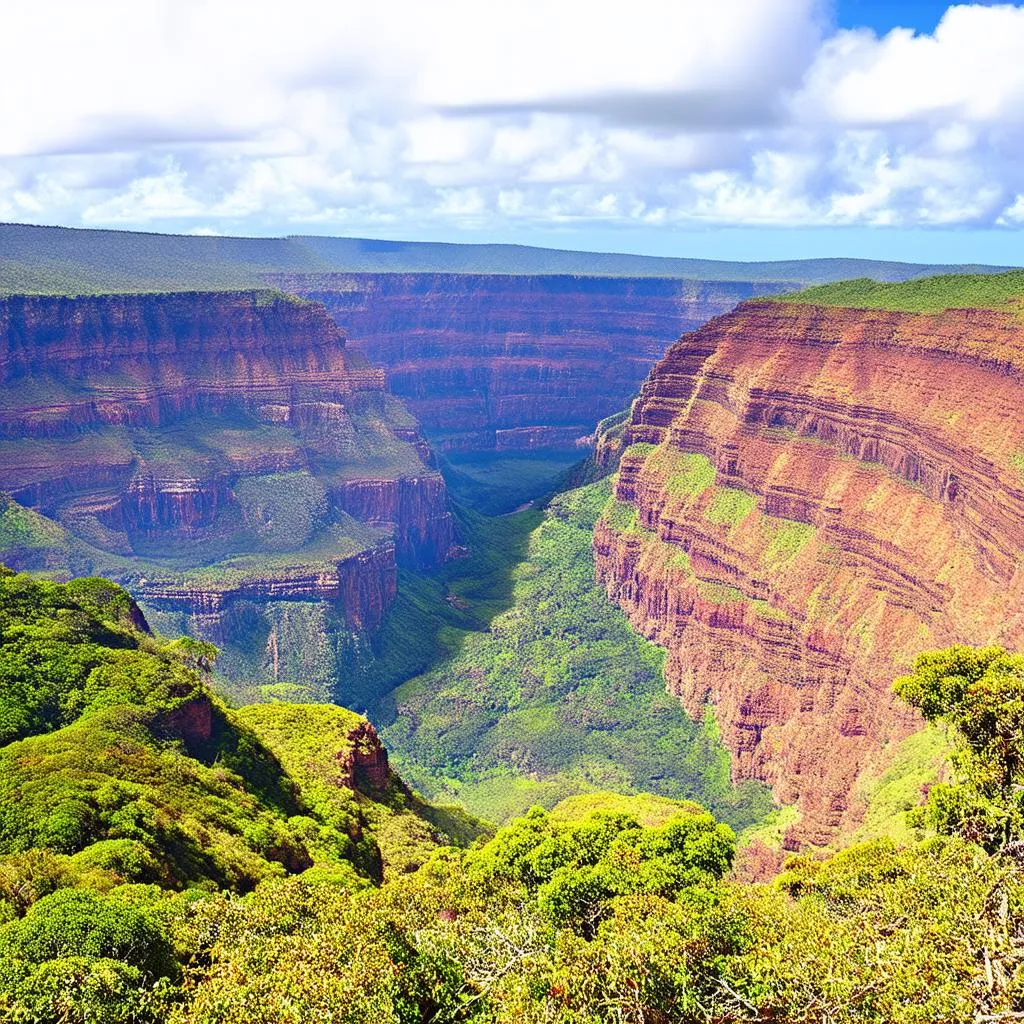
[164, 858]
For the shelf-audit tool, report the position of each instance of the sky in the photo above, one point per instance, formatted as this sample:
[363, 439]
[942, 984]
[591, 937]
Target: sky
[743, 129]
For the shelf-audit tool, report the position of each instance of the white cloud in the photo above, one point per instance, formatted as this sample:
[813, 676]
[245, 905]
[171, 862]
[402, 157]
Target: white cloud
[228, 115]
[970, 69]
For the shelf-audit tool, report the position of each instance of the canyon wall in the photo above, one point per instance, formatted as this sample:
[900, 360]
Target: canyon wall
[504, 362]
[808, 498]
[215, 449]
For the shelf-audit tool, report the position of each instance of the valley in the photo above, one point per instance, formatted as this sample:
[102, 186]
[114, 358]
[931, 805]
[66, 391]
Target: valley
[512, 514]
[362, 624]
[511, 363]
[541, 690]
[397, 514]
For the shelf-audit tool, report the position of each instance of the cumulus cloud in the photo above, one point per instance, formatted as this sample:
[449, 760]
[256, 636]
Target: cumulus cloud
[331, 115]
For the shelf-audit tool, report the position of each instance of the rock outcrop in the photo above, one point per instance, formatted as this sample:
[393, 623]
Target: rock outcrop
[363, 764]
[504, 362]
[210, 449]
[414, 509]
[809, 497]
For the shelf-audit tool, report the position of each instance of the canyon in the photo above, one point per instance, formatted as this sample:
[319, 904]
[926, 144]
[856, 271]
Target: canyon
[217, 451]
[809, 496]
[805, 496]
[501, 363]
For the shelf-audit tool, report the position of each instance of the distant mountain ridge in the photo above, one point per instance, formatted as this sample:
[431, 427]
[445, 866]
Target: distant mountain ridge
[58, 260]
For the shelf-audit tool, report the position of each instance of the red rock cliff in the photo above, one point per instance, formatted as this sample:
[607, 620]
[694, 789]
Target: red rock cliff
[362, 584]
[811, 497]
[142, 421]
[144, 359]
[489, 361]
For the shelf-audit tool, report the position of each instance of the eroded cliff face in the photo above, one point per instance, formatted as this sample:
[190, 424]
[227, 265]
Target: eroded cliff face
[511, 363]
[362, 584]
[140, 360]
[810, 497]
[214, 449]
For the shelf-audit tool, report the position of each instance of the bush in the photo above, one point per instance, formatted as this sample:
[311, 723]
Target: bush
[76, 923]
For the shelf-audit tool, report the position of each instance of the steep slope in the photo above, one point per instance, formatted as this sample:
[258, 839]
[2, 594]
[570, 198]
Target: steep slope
[123, 820]
[511, 363]
[224, 456]
[119, 763]
[812, 494]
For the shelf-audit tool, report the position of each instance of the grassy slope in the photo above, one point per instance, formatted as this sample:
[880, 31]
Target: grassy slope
[926, 295]
[104, 760]
[542, 690]
[309, 740]
[918, 761]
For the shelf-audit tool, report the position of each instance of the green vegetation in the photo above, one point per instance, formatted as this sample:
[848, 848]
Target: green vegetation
[923, 295]
[621, 516]
[695, 474]
[275, 514]
[647, 808]
[786, 539]
[638, 450]
[494, 484]
[69, 261]
[593, 920]
[310, 741]
[550, 692]
[338, 540]
[284, 510]
[772, 831]
[165, 860]
[23, 528]
[916, 764]
[720, 593]
[439, 608]
[729, 506]
[31, 539]
[979, 695]
[113, 752]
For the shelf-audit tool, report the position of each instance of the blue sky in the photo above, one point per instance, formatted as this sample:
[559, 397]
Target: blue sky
[884, 15]
[738, 129]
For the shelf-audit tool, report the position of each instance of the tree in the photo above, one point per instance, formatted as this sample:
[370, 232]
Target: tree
[979, 694]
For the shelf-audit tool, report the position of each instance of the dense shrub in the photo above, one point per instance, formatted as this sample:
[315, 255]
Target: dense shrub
[74, 922]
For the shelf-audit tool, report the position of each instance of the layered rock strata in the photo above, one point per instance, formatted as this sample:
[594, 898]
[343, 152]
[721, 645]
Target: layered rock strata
[213, 448]
[511, 363]
[362, 584]
[140, 360]
[809, 497]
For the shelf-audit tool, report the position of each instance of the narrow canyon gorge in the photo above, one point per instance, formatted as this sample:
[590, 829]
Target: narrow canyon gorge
[500, 362]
